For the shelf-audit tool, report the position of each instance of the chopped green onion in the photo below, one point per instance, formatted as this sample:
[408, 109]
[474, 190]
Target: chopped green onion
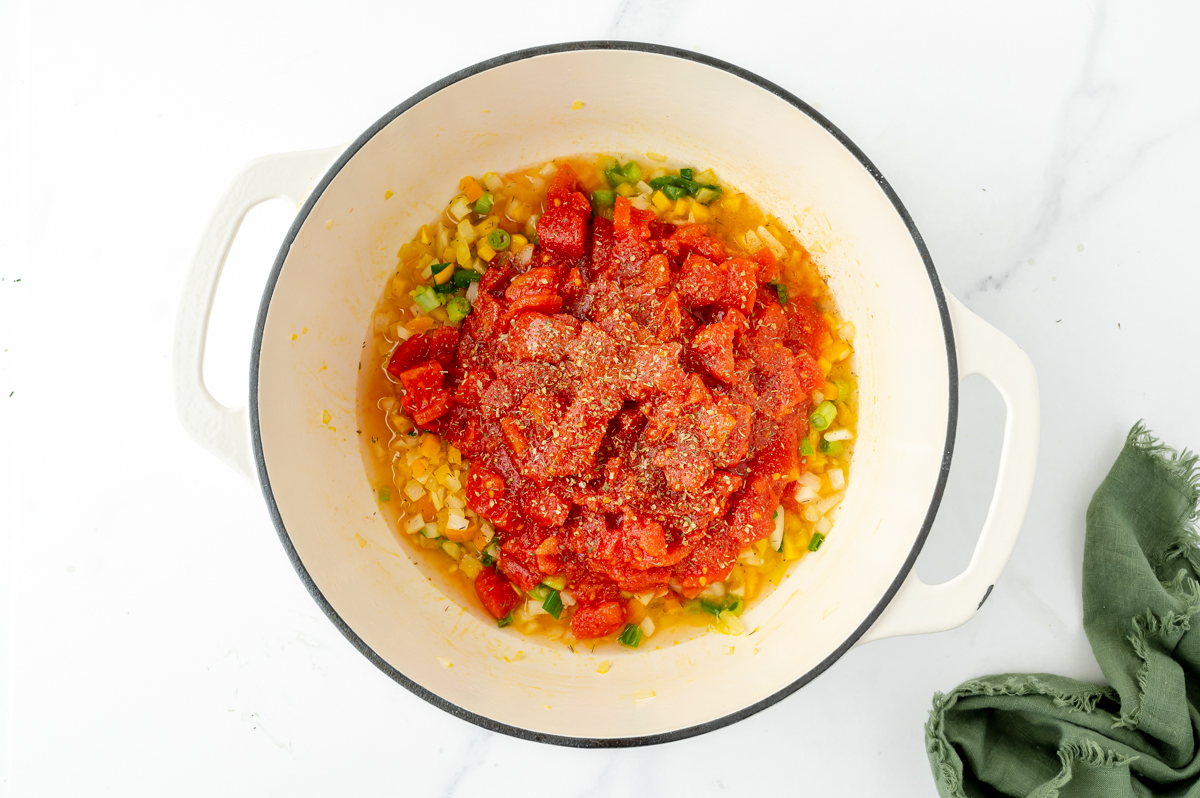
[438, 268]
[489, 555]
[555, 582]
[709, 607]
[734, 604]
[484, 203]
[692, 607]
[385, 495]
[709, 191]
[464, 277]
[843, 388]
[553, 604]
[806, 447]
[603, 198]
[781, 292]
[831, 447]
[673, 192]
[505, 621]
[426, 298]
[686, 173]
[458, 308]
[815, 542]
[447, 287]
[499, 240]
[823, 416]
[632, 172]
[631, 636]
[539, 593]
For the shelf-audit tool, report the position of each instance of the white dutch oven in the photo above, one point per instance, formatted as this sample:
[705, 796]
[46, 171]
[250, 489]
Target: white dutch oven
[914, 343]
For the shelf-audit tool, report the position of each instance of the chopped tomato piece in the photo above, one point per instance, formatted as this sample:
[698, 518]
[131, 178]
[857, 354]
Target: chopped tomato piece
[496, 593]
[597, 620]
[424, 397]
[562, 231]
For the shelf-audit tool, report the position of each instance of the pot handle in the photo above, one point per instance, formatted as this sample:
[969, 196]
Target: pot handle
[919, 608]
[225, 431]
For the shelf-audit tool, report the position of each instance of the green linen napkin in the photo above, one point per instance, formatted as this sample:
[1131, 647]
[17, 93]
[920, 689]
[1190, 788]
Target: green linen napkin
[1048, 736]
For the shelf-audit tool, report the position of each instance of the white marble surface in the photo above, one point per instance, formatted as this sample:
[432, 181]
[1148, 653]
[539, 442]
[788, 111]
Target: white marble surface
[157, 640]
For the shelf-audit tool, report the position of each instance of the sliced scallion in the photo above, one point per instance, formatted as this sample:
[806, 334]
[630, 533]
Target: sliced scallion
[632, 172]
[815, 542]
[631, 636]
[505, 621]
[426, 298]
[831, 447]
[781, 292]
[555, 582]
[553, 604]
[464, 277]
[484, 203]
[823, 416]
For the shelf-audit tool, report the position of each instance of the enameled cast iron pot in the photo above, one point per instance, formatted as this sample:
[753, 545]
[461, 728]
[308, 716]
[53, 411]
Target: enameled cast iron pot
[914, 343]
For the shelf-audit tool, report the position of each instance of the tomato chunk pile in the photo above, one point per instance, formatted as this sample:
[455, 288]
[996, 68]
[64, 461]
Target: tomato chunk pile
[631, 399]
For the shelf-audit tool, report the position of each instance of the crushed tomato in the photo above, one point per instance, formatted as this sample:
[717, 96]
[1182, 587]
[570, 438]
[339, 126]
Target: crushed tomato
[631, 401]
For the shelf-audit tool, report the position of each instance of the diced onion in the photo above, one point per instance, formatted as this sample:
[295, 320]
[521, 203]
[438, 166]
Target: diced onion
[456, 522]
[827, 504]
[567, 599]
[777, 532]
[837, 478]
[647, 626]
[847, 331]
[455, 503]
[414, 490]
[492, 182]
[810, 515]
[823, 526]
[810, 480]
[416, 310]
[459, 208]
[466, 232]
[644, 188]
[771, 242]
[402, 332]
[534, 607]
[525, 255]
[805, 494]
[430, 530]
[640, 202]
[842, 434]
[548, 169]
[750, 241]
[487, 530]
[473, 292]
[750, 557]
[716, 590]
[414, 524]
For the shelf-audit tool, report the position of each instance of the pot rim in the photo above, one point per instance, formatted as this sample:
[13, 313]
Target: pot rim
[489, 723]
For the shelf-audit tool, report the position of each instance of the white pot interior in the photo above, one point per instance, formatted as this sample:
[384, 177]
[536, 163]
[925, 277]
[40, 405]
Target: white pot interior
[633, 101]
